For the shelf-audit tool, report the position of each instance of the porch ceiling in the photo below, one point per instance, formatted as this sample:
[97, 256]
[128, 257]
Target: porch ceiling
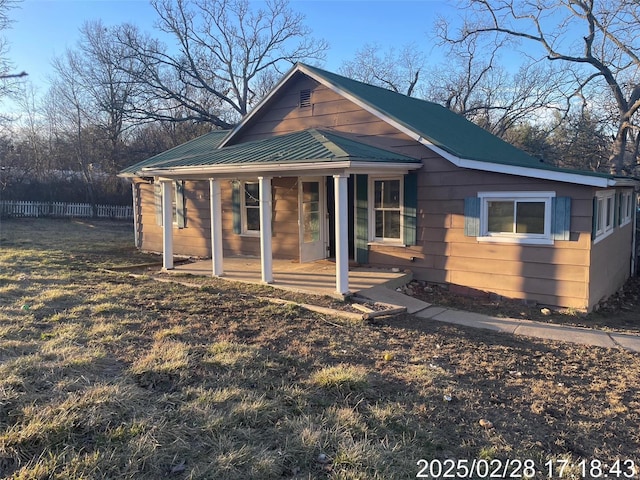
[317, 278]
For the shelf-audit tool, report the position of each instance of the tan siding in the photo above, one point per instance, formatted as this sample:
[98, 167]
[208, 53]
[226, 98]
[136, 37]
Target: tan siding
[195, 238]
[610, 263]
[556, 274]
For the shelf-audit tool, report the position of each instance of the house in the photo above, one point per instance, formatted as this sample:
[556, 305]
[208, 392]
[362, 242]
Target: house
[326, 166]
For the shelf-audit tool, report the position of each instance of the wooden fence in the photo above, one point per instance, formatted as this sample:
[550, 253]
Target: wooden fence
[10, 208]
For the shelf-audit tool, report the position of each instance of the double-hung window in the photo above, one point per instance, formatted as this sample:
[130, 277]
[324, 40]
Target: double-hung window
[604, 213]
[177, 203]
[386, 222]
[250, 195]
[519, 217]
[626, 208]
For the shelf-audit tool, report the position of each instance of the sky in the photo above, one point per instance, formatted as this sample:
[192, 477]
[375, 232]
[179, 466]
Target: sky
[43, 29]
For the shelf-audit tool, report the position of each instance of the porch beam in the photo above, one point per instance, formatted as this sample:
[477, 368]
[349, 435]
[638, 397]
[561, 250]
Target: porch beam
[167, 224]
[266, 254]
[342, 235]
[216, 228]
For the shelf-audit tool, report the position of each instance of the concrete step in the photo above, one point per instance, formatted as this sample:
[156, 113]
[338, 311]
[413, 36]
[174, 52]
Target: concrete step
[386, 295]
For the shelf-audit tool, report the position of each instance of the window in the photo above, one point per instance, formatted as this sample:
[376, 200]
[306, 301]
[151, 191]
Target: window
[250, 208]
[386, 213]
[177, 203]
[520, 217]
[604, 214]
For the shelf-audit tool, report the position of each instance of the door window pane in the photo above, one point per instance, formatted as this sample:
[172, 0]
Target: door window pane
[311, 221]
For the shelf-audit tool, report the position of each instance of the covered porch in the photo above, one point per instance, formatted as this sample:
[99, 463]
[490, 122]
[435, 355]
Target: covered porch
[315, 158]
[317, 278]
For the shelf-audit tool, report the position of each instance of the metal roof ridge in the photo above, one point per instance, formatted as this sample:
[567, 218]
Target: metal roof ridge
[330, 145]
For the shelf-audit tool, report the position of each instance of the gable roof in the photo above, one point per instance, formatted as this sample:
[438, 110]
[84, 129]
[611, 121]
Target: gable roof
[445, 132]
[192, 148]
[302, 149]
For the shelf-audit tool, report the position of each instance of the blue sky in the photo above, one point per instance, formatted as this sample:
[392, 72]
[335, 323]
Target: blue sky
[45, 28]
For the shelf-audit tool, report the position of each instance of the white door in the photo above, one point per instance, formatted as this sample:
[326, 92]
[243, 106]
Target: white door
[312, 219]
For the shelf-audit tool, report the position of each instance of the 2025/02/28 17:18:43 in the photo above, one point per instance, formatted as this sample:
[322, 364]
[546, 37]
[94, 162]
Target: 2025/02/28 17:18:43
[497, 468]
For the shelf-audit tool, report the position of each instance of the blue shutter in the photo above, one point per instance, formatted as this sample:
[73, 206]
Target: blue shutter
[180, 208]
[410, 208]
[157, 198]
[362, 219]
[235, 207]
[472, 217]
[561, 218]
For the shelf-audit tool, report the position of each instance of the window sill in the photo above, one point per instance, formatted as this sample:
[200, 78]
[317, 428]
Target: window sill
[516, 240]
[386, 244]
[602, 236]
[250, 234]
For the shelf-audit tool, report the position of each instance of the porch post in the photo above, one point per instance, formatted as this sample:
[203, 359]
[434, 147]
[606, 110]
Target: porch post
[167, 225]
[216, 228]
[266, 254]
[342, 236]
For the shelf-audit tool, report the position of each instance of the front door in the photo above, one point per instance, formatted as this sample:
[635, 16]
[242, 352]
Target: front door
[312, 219]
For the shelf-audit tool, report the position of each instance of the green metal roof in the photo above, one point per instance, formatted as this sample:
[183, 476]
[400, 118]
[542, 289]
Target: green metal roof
[299, 147]
[443, 128]
[192, 148]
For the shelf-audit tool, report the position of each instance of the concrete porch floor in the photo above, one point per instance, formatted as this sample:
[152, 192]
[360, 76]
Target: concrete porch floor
[317, 278]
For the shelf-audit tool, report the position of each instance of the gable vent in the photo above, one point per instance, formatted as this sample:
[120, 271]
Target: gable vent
[305, 98]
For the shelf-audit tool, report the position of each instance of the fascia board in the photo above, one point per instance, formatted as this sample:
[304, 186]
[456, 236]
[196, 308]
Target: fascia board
[231, 169]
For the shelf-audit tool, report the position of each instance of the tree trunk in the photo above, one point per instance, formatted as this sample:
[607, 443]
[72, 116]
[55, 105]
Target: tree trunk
[616, 159]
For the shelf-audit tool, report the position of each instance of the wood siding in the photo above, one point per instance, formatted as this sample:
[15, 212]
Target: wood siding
[195, 238]
[610, 263]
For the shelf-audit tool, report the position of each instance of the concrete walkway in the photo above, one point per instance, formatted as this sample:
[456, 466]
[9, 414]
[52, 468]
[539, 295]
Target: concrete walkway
[548, 331]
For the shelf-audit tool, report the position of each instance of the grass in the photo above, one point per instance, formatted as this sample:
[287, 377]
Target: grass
[107, 376]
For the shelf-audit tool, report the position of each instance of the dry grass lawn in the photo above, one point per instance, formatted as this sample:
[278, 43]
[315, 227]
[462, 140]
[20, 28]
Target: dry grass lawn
[107, 376]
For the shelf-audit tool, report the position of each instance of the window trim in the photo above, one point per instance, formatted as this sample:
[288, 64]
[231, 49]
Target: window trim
[602, 229]
[545, 238]
[243, 209]
[626, 209]
[174, 203]
[373, 240]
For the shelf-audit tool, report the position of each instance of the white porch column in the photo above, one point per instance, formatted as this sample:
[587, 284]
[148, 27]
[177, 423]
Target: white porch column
[266, 254]
[167, 224]
[216, 228]
[342, 236]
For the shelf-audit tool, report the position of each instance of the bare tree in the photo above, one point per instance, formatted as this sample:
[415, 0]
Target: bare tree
[225, 51]
[398, 70]
[109, 88]
[71, 106]
[474, 84]
[596, 42]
